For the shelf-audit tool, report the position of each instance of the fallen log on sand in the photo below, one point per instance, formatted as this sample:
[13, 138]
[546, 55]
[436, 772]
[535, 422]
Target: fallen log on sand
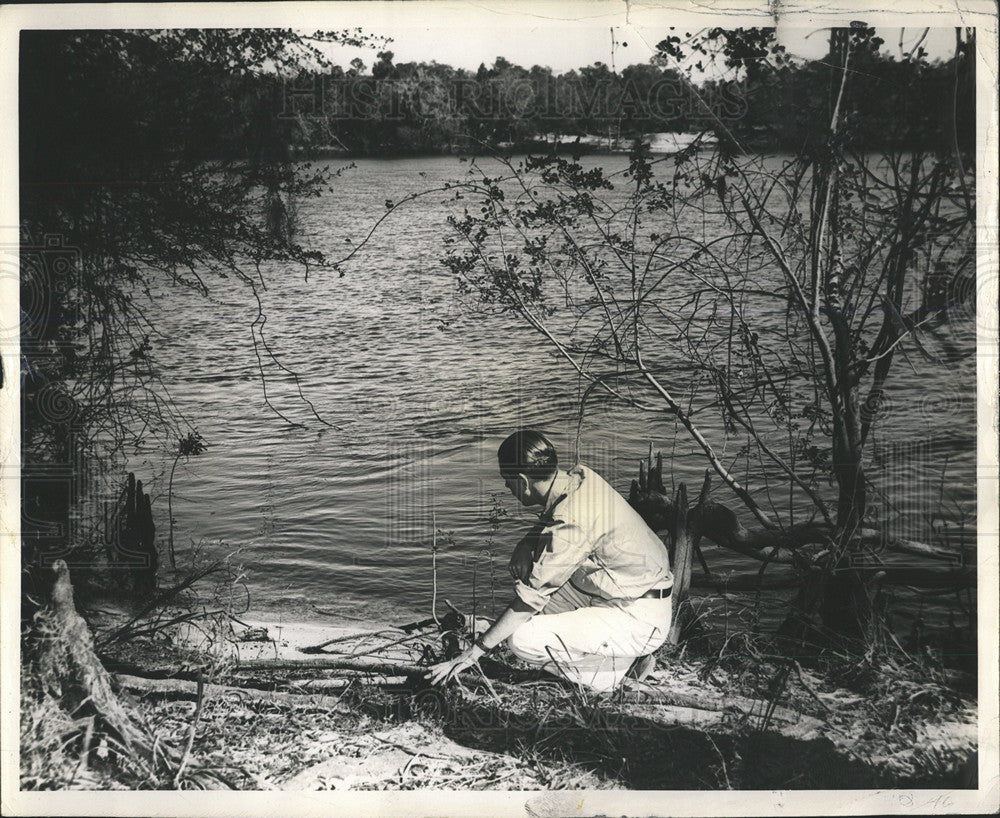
[183, 689]
[338, 662]
[265, 666]
[690, 706]
[663, 706]
[637, 695]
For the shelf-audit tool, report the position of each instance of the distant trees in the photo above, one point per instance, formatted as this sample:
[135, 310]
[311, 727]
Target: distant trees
[759, 303]
[387, 108]
[787, 104]
[767, 104]
[408, 108]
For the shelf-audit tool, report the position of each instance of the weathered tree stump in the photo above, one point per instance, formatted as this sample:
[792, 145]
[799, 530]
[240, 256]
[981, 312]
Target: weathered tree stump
[132, 540]
[68, 665]
[69, 668]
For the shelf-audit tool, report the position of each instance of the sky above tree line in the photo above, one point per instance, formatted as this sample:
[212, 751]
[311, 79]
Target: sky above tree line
[564, 36]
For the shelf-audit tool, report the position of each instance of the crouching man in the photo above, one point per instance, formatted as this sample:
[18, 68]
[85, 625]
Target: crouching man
[592, 580]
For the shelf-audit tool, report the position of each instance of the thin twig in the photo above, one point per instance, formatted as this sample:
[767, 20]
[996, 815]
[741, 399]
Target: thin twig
[722, 760]
[88, 738]
[434, 573]
[489, 684]
[808, 687]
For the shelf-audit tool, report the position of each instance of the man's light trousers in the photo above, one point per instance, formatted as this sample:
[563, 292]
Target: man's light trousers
[591, 641]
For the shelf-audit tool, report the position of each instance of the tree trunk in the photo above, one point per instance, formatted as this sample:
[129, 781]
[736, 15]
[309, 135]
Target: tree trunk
[683, 553]
[846, 600]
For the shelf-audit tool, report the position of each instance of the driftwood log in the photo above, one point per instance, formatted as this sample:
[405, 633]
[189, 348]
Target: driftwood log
[706, 711]
[265, 667]
[308, 692]
[710, 704]
[183, 689]
[747, 709]
[803, 545]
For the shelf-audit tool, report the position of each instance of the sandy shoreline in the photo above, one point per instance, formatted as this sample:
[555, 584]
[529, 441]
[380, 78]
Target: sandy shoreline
[269, 635]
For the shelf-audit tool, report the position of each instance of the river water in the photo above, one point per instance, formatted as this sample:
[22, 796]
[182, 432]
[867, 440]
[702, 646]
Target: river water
[419, 390]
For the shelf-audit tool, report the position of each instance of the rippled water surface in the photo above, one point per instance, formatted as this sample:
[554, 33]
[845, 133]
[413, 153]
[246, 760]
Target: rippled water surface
[419, 391]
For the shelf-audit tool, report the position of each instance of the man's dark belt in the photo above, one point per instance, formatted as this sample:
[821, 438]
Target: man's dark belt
[652, 593]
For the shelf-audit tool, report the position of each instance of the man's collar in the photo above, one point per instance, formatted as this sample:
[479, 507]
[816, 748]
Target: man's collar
[560, 488]
[551, 498]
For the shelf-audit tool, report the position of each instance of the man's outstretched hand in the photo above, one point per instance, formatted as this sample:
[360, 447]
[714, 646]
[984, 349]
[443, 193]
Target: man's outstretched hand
[514, 615]
[442, 672]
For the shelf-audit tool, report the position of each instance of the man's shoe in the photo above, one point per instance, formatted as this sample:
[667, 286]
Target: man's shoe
[642, 667]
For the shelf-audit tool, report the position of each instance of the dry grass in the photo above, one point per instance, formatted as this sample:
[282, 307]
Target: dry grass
[268, 747]
[52, 755]
[906, 715]
[539, 735]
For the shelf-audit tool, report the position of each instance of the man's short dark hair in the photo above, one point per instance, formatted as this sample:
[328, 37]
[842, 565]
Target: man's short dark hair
[529, 453]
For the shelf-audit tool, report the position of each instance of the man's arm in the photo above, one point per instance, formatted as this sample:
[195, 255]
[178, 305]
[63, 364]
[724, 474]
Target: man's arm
[526, 551]
[515, 615]
[521, 560]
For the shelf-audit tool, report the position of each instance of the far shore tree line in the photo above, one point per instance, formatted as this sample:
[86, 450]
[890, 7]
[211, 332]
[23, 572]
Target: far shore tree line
[390, 109]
